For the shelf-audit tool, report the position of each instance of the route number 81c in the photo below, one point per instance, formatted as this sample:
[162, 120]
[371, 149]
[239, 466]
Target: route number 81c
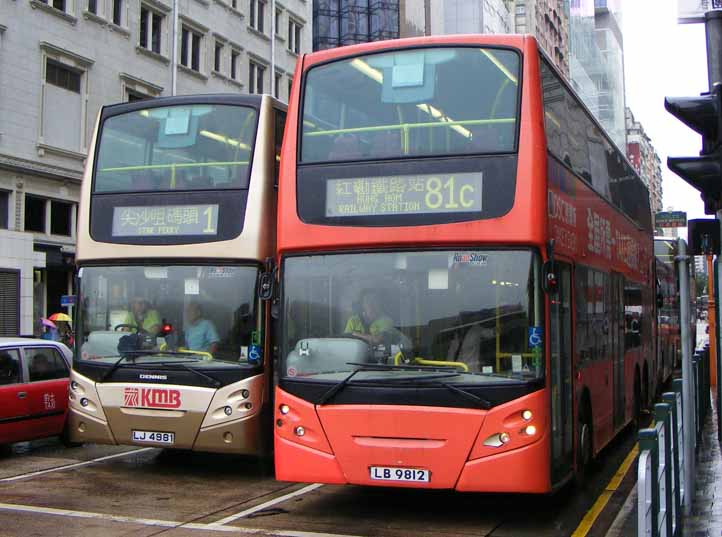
[444, 195]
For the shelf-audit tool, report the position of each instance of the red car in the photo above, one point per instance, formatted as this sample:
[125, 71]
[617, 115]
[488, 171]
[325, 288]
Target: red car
[34, 377]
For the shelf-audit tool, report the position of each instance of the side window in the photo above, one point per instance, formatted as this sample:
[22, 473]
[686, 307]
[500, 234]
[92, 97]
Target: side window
[45, 364]
[633, 316]
[9, 367]
[585, 345]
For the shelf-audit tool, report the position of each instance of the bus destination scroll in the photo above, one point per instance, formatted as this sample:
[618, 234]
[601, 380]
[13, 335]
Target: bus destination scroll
[167, 220]
[404, 194]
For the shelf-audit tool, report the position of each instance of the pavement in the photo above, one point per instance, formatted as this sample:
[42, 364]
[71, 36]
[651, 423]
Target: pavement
[705, 519]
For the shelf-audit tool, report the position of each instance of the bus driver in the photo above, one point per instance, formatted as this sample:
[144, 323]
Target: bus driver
[372, 322]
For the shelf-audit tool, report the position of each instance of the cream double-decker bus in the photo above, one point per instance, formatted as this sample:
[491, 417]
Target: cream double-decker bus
[175, 245]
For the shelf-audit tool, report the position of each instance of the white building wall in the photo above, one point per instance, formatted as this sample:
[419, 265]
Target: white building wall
[16, 253]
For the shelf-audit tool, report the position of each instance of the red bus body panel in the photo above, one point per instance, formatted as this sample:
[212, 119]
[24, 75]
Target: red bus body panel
[447, 441]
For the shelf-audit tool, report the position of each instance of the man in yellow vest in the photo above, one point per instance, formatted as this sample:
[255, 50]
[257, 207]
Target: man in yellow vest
[372, 322]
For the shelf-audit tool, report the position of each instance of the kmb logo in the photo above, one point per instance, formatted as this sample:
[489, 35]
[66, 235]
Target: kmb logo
[151, 397]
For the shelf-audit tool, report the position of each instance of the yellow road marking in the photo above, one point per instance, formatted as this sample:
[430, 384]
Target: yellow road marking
[588, 521]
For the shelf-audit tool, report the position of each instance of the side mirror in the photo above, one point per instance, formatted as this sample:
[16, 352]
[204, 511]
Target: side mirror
[265, 286]
[549, 277]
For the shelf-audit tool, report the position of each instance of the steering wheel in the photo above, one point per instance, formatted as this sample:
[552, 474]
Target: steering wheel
[137, 329]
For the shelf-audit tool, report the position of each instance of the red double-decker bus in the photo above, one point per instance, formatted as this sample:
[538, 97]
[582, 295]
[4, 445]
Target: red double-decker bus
[467, 296]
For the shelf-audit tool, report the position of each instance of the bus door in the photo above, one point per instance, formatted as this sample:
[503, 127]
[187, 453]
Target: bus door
[617, 324]
[560, 344]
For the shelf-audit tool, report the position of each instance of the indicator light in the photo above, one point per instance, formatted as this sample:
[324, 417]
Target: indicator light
[504, 438]
[245, 394]
[249, 406]
[279, 423]
[284, 409]
[228, 410]
[530, 430]
[74, 385]
[299, 431]
[84, 402]
[527, 415]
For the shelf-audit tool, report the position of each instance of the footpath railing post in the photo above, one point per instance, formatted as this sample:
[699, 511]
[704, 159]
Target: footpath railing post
[677, 386]
[666, 504]
[695, 391]
[648, 441]
[674, 400]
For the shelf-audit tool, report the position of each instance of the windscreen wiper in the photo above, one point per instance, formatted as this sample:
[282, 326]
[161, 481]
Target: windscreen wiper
[115, 366]
[445, 372]
[479, 401]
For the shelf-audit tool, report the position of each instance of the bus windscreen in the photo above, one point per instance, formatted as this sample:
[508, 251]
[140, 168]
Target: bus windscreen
[184, 147]
[411, 103]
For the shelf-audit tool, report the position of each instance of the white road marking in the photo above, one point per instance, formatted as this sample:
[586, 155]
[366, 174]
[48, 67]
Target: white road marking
[163, 523]
[267, 504]
[75, 465]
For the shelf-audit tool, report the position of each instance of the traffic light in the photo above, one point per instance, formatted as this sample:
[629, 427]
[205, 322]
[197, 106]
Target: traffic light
[702, 114]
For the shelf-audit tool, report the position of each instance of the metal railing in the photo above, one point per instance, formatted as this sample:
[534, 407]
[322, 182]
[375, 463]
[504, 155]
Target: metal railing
[661, 490]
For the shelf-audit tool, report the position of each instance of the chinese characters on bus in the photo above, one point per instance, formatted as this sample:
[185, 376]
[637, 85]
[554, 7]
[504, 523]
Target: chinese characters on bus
[165, 220]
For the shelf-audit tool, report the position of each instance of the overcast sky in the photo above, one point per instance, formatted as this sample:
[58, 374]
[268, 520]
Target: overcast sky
[663, 58]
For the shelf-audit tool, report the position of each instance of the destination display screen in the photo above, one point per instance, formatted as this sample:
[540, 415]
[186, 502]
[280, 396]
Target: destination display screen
[165, 220]
[404, 194]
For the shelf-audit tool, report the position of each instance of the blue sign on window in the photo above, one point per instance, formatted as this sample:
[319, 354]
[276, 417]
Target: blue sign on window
[535, 337]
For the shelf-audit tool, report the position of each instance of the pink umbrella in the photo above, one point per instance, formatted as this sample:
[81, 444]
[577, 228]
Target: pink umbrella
[47, 322]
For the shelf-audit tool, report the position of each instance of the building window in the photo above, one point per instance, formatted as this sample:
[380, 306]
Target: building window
[59, 75]
[60, 5]
[63, 91]
[133, 96]
[191, 49]
[278, 22]
[234, 4]
[257, 11]
[34, 214]
[255, 77]
[294, 36]
[277, 86]
[234, 64]
[117, 12]
[4, 209]
[151, 24]
[290, 87]
[93, 6]
[218, 52]
[60, 218]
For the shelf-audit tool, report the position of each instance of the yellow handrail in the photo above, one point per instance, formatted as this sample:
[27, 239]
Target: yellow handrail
[405, 126]
[172, 166]
[206, 355]
[422, 361]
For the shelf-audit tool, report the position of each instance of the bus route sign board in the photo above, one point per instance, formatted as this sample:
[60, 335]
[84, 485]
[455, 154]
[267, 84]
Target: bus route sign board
[404, 194]
[165, 220]
[670, 219]
[691, 11]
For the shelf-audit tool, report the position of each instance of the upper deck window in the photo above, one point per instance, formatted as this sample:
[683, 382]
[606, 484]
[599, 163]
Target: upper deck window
[184, 147]
[411, 103]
